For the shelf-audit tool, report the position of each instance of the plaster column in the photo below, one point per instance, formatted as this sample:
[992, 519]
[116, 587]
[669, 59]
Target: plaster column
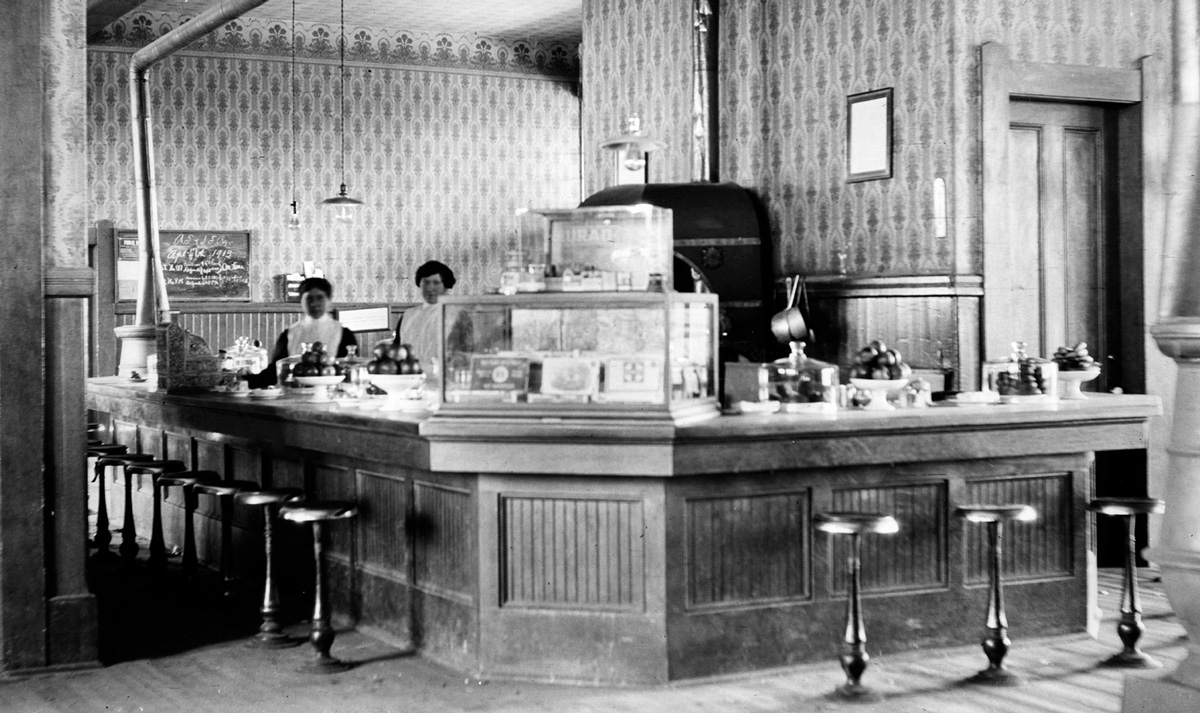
[1178, 335]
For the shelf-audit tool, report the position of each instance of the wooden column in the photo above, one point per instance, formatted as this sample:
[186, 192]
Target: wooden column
[1178, 335]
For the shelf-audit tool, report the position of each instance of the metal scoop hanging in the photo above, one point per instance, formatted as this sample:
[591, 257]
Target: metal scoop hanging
[789, 325]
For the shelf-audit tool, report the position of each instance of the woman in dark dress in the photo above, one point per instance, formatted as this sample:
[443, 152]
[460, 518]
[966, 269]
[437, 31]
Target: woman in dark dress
[317, 325]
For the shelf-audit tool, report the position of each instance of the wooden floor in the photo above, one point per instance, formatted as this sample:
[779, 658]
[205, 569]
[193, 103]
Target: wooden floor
[169, 655]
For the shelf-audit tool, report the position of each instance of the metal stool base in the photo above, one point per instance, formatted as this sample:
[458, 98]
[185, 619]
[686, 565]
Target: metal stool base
[1132, 659]
[325, 666]
[855, 693]
[263, 640]
[997, 676]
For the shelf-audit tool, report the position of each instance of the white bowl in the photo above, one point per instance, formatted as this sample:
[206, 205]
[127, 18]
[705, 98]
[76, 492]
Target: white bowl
[396, 383]
[319, 380]
[879, 389]
[1071, 381]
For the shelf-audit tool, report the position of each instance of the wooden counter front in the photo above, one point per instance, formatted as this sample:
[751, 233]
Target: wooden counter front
[619, 553]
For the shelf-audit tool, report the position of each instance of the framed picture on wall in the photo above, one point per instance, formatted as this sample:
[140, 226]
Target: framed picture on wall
[869, 135]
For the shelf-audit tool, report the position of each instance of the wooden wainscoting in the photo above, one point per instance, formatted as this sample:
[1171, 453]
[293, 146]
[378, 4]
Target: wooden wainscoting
[934, 321]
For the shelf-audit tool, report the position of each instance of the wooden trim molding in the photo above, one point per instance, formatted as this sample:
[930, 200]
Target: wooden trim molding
[896, 286]
[69, 282]
[1037, 80]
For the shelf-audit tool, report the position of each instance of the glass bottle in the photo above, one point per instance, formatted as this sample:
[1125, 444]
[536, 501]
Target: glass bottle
[800, 383]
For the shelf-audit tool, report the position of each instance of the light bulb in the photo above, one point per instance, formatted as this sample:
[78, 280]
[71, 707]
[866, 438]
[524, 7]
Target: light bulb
[293, 221]
[634, 159]
[345, 214]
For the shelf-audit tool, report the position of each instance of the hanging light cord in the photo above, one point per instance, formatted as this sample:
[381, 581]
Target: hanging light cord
[342, 98]
[293, 43]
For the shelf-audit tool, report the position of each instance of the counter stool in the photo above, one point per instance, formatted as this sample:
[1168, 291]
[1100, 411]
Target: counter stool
[270, 634]
[1130, 628]
[187, 480]
[996, 643]
[854, 656]
[155, 469]
[318, 513]
[225, 490]
[103, 535]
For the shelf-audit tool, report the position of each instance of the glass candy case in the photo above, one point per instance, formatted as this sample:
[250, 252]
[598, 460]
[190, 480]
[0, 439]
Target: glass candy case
[597, 249]
[647, 355]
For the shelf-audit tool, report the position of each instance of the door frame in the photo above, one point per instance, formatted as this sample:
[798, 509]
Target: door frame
[1140, 112]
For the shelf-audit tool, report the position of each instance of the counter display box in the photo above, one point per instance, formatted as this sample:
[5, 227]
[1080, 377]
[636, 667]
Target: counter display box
[624, 354]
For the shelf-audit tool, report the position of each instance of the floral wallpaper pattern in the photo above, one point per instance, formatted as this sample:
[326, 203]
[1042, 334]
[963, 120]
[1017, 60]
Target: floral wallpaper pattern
[444, 140]
[786, 69]
[66, 135]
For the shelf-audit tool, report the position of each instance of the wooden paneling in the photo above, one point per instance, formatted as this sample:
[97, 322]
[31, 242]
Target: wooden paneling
[442, 527]
[747, 550]
[913, 558]
[178, 446]
[578, 552]
[150, 440]
[1030, 549]
[383, 515]
[334, 483]
[221, 326]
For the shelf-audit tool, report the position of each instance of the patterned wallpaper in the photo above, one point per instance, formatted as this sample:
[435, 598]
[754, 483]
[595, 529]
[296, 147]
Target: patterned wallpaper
[1101, 33]
[445, 139]
[786, 69]
[66, 135]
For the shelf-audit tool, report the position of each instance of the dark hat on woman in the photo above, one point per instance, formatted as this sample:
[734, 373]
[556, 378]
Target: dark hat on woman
[317, 283]
[433, 267]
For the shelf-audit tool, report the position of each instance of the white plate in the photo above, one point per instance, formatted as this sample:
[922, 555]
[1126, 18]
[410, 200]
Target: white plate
[319, 380]
[239, 394]
[265, 394]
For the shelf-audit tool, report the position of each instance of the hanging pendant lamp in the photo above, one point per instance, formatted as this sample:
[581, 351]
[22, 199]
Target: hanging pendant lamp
[294, 218]
[344, 203]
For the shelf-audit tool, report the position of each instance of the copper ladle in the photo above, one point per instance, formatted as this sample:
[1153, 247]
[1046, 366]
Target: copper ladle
[788, 325]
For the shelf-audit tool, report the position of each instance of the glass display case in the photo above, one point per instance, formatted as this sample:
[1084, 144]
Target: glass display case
[589, 355]
[622, 248]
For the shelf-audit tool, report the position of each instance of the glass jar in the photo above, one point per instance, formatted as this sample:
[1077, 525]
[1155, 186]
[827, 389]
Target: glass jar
[354, 366]
[800, 383]
[1021, 377]
[283, 367]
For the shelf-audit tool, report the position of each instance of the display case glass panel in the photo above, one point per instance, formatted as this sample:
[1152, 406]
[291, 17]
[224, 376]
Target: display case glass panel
[595, 249]
[624, 353]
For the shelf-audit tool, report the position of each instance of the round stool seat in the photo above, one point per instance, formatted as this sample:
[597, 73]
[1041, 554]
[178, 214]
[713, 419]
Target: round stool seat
[1127, 506]
[188, 477]
[996, 513]
[123, 459]
[268, 496]
[856, 523]
[94, 442]
[157, 467]
[105, 449]
[225, 487]
[319, 511]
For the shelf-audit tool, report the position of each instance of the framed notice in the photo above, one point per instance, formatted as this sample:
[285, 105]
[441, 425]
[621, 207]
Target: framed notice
[197, 264]
[869, 135]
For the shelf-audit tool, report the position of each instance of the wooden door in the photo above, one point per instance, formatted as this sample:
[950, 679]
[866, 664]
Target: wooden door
[1062, 225]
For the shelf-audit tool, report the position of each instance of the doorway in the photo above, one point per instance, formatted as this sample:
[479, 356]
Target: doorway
[1063, 220]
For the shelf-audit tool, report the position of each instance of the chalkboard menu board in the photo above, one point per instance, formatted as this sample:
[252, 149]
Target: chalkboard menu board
[197, 264]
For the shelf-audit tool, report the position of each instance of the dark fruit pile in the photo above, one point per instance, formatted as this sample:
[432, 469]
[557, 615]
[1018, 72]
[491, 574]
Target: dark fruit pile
[1028, 380]
[1075, 358]
[316, 361]
[390, 359]
[876, 361]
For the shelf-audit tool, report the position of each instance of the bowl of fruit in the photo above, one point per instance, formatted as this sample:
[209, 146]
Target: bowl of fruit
[878, 372]
[1075, 367]
[396, 371]
[318, 370]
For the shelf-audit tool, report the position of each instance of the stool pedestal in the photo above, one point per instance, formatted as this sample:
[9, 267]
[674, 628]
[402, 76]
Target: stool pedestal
[270, 633]
[225, 490]
[854, 655]
[1130, 628]
[155, 469]
[996, 642]
[128, 548]
[103, 537]
[322, 635]
[187, 481]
